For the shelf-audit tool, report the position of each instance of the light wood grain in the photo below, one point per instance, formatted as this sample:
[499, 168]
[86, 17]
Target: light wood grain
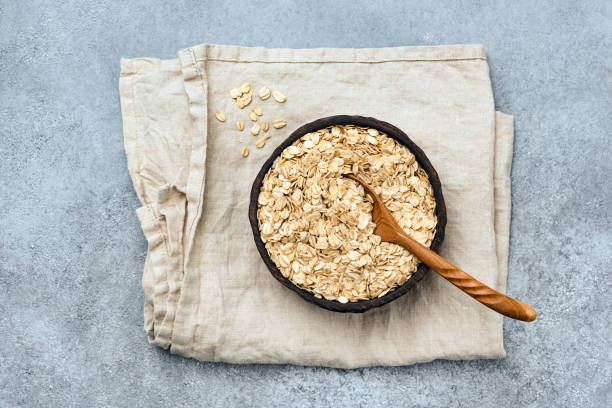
[389, 230]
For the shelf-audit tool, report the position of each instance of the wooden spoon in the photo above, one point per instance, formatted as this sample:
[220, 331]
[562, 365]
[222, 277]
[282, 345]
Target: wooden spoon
[389, 231]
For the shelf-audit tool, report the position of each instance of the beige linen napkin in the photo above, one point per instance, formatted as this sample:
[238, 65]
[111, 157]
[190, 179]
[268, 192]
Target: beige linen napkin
[208, 293]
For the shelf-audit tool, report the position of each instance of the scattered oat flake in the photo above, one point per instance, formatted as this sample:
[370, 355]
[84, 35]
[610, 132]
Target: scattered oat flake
[245, 88]
[264, 126]
[258, 111]
[234, 93]
[255, 129]
[243, 100]
[264, 93]
[240, 125]
[253, 116]
[245, 152]
[262, 142]
[279, 97]
[279, 123]
[220, 116]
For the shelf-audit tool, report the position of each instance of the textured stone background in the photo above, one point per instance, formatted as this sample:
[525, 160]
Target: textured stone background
[71, 250]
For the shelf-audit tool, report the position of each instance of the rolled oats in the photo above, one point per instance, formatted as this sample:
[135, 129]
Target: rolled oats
[245, 152]
[240, 125]
[264, 126]
[317, 225]
[253, 116]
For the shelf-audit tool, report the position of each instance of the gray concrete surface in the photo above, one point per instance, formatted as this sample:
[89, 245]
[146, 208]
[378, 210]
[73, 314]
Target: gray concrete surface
[71, 250]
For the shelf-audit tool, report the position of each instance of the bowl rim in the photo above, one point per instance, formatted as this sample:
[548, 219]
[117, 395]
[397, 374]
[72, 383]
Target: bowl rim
[399, 136]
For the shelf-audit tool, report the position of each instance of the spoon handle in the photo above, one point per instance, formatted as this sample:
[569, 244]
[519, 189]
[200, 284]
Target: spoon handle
[476, 289]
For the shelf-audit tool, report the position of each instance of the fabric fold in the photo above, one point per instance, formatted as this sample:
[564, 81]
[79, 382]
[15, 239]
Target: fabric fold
[148, 87]
[504, 141]
[162, 224]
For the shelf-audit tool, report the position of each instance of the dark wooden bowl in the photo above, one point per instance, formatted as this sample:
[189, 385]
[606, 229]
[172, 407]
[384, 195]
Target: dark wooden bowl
[401, 137]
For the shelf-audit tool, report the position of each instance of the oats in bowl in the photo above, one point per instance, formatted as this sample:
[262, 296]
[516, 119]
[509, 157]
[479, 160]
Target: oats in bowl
[317, 225]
